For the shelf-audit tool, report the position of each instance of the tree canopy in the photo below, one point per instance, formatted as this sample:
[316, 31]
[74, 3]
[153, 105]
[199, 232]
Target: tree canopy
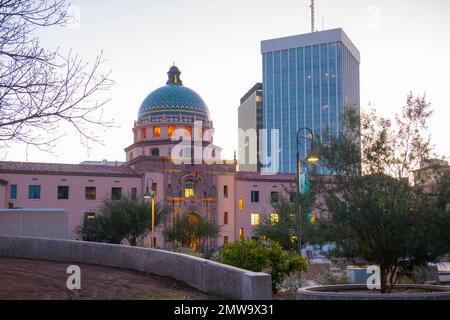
[191, 230]
[121, 219]
[376, 213]
[281, 225]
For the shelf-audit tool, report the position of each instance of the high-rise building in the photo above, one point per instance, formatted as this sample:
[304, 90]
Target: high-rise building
[308, 80]
[250, 118]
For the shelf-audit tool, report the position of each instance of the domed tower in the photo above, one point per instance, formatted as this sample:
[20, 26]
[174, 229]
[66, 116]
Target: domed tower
[167, 114]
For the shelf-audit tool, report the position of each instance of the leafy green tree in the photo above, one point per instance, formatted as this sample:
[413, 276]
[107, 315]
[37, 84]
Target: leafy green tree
[376, 213]
[121, 219]
[191, 230]
[254, 255]
[283, 229]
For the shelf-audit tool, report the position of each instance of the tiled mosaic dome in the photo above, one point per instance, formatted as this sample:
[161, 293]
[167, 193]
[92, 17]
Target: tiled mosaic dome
[174, 99]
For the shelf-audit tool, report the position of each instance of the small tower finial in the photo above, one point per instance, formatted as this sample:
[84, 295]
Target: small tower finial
[174, 76]
[312, 16]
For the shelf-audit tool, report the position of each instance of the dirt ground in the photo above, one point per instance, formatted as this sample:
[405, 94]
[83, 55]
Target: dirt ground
[43, 280]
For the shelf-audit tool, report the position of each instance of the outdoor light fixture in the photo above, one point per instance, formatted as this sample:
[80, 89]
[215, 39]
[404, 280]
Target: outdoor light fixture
[312, 157]
[151, 195]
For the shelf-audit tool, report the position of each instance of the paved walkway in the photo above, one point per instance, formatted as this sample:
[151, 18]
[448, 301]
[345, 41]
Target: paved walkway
[31, 279]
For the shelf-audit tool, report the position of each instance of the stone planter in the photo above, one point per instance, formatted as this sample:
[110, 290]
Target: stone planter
[360, 292]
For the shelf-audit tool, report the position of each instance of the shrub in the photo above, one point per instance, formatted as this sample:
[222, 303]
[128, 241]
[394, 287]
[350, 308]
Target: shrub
[191, 231]
[333, 279]
[291, 284]
[256, 256]
[126, 218]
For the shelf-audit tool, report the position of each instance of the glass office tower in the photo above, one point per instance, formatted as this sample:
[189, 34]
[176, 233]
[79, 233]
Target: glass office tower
[307, 81]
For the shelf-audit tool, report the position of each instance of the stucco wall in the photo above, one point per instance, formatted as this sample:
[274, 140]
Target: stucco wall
[226, 205]
[263, 207]
[76, 205]
[48, 223]
[204, 275]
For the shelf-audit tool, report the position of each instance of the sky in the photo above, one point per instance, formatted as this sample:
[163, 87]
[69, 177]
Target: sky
[404, 45]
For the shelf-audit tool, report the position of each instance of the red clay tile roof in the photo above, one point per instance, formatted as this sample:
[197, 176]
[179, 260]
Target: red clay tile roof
[66, 169]
[281, 177]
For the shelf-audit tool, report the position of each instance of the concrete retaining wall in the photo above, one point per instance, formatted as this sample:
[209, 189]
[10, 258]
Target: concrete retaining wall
[360, 292]
[204, 275]
[44, 223]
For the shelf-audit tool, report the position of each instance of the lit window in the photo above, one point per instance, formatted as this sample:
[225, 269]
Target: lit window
[241, 233]
[188, 131]
[255, 219]
[241, 204]
[89, 215]
[156, 132]
[154, 188]
[274, 218]
[171, 130]
[144, 133]
[312, 218]
[188, 190]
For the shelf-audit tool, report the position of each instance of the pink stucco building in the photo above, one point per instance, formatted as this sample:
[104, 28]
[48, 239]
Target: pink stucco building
[173, 152]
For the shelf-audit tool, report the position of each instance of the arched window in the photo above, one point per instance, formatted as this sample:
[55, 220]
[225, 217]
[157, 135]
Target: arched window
[155, 152]
[188, 189]
[156, 131]
[171, 130]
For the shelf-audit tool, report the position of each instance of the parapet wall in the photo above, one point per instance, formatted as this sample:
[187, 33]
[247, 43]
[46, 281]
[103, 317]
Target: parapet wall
[204, 275]
[42, 223]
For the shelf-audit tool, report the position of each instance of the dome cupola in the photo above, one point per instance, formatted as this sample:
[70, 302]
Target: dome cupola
[173, 101]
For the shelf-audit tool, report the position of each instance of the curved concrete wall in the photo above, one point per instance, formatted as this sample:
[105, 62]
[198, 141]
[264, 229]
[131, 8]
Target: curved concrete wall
[204, 275]
[360, 292]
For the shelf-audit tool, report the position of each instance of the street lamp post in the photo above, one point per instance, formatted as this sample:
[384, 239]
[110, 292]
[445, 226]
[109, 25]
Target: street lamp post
[151, 195]
[312, 158]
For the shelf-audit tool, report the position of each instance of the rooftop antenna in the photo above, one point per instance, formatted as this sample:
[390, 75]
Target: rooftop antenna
[312, 15]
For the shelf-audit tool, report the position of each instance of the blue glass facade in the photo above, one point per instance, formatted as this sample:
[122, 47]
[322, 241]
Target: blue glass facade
[307, 86]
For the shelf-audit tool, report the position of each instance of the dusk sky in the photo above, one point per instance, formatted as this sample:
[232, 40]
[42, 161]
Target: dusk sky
[404, 47]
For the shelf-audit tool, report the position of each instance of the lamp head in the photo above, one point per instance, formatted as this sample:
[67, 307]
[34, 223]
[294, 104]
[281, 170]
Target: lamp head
[312, 157]
[147, 195]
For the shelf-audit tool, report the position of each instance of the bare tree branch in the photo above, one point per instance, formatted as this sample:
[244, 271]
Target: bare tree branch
[40, 89]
